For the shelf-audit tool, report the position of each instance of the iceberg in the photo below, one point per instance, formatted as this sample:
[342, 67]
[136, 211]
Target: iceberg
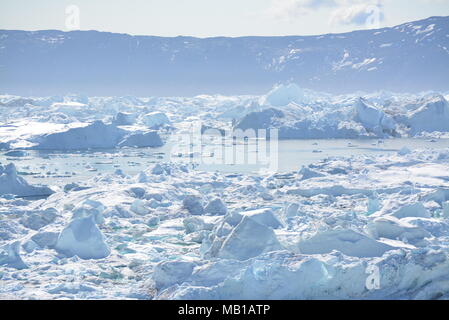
[373, 119]
[431, 115]
[11, 183]
[95, 135]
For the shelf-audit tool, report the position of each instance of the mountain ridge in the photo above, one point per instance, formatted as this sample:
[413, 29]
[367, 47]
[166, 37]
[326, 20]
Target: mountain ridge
[412, 56]
[227, 37]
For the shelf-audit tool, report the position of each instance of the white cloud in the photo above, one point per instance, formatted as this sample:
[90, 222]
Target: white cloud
[368, 14]
[292, 9]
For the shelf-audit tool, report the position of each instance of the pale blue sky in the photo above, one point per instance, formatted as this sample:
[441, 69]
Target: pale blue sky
[206, 18]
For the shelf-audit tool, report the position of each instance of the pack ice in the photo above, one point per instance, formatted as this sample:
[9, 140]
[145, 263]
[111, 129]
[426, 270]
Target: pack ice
[170, 230]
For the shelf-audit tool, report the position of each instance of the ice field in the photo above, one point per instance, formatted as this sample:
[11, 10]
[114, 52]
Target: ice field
[101, 198]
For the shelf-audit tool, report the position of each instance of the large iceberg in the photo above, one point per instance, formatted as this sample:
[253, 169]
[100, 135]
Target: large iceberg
[431, 115]
[98, 135]
[373, 119]
[94, 135]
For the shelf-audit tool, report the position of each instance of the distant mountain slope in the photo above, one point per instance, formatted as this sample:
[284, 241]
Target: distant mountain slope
[410, 57]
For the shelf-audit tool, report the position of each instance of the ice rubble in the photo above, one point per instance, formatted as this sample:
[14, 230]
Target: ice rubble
[36, 220]
[105, 122]
[330, 276]
[345, 117]
[309, 234]
[177, 233]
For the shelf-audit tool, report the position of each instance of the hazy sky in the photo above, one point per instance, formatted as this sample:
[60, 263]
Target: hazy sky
[206, 18]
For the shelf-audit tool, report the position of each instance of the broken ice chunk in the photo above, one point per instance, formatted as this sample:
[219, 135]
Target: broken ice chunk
[45, 239]
[193, 205]
[90, 208]
[392, 228]
[82, 238]
[139, 207]
[39, 219]
[291, 210]
[157, 169]
[169, 273]
[193, 224]
[346, 241]
[10, 256]
[307, 173]
[216, 207]
[263, 216]
[412, 210]
[249, 239]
